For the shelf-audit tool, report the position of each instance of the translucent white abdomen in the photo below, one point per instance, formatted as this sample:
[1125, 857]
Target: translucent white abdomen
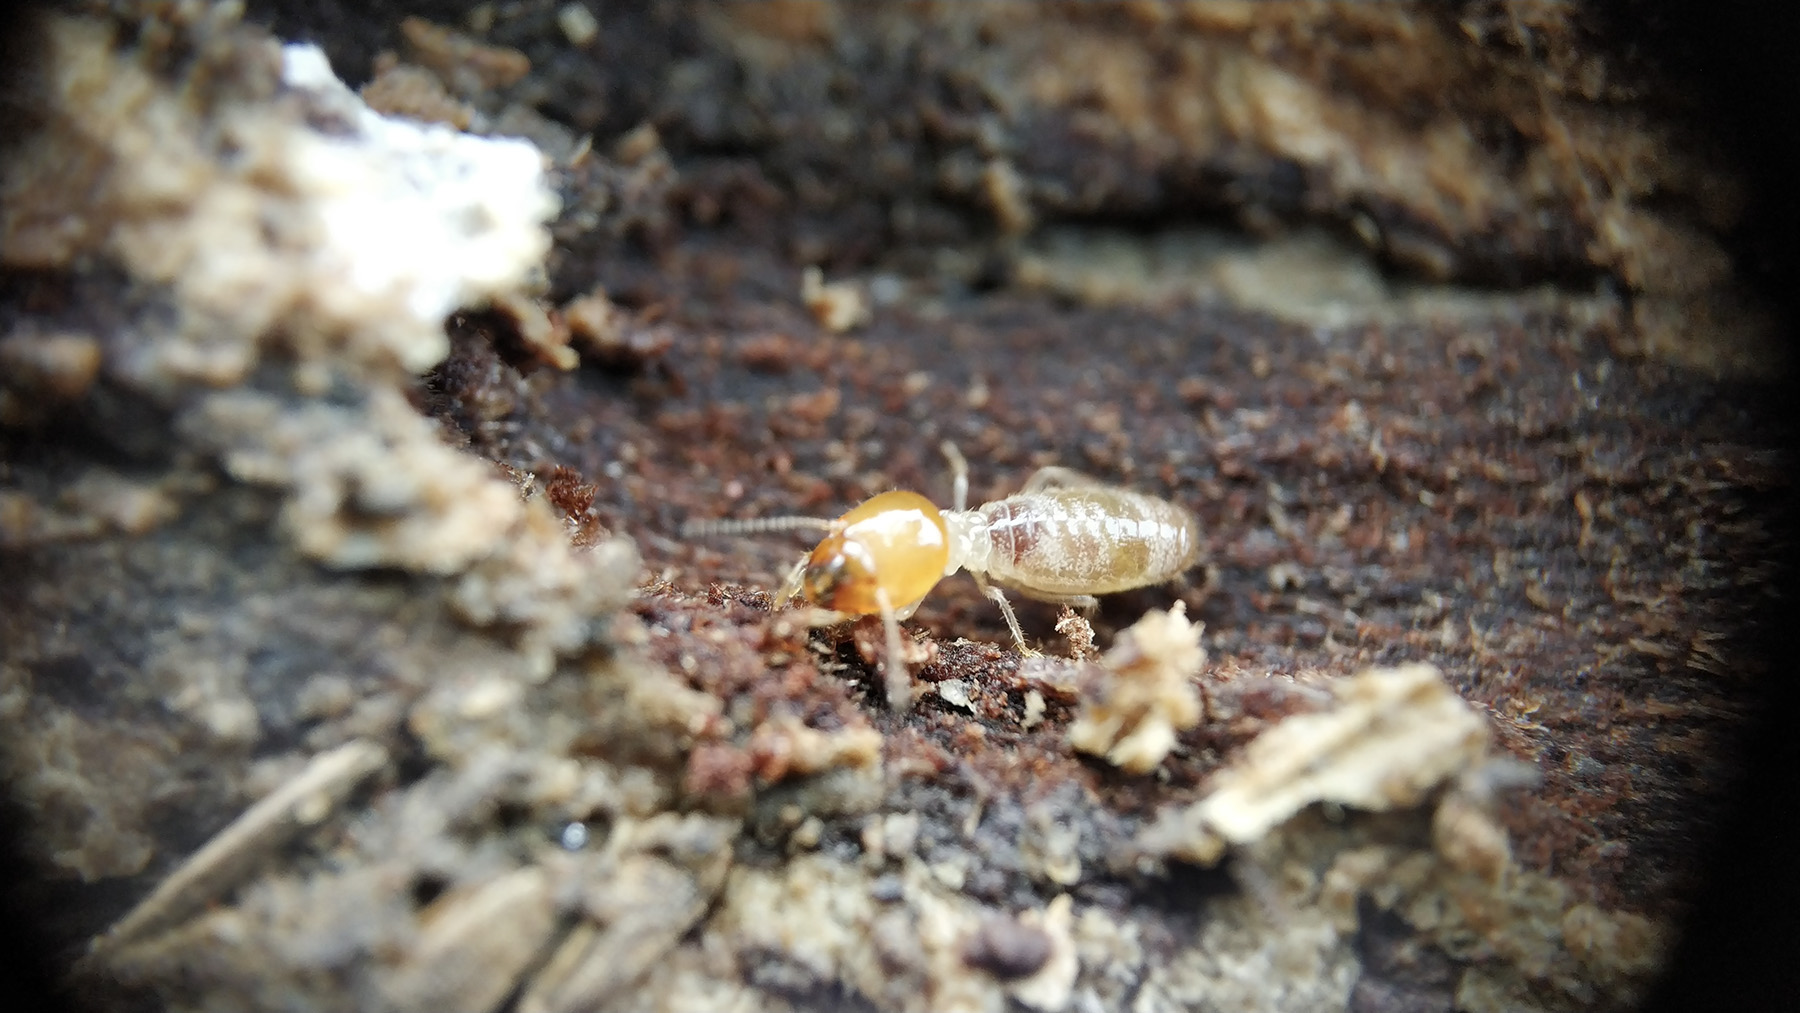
[1084, 540]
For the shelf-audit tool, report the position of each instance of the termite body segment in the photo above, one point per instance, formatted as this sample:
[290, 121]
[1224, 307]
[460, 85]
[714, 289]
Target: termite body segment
[1063, 538]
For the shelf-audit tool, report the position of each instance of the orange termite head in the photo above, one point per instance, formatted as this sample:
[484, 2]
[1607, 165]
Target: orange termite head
[894, 543]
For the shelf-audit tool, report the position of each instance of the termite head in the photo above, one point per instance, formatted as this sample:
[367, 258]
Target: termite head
[881, 558]
[894, 543]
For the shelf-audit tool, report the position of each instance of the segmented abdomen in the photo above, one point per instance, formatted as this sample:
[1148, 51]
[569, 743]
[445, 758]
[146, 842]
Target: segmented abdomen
[1087, 540]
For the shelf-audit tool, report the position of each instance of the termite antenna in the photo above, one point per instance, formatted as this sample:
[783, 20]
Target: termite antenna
[752, 526]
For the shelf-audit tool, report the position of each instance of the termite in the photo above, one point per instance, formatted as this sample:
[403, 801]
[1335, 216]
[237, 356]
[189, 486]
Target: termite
[1063, 538]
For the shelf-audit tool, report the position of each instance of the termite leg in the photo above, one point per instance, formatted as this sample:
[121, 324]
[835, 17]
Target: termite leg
[1054, 476]
[899, 680]
[959, 475]
[1006, 609]
[791, 586]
